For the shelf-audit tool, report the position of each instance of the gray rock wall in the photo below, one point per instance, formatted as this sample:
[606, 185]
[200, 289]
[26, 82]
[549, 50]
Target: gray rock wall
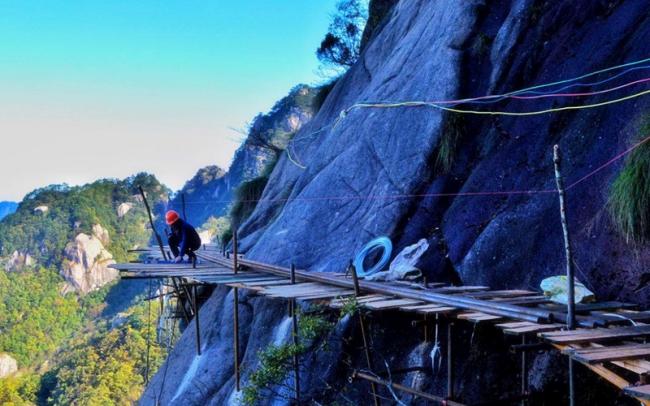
[445, 50]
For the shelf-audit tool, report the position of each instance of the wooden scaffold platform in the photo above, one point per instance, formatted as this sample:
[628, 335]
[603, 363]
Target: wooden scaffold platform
[610, 338]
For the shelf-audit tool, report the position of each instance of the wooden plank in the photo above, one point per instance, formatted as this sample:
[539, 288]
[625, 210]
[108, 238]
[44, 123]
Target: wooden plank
[639, 392]
[390, 304]
[599, 334]
[327, 295]
[361, 299]
[515, 324]
[590, 307]
[502, 293]
[523, 301]
[437, 310]
[478, 317]
[604, 354]
[533, 328]
[459, 289]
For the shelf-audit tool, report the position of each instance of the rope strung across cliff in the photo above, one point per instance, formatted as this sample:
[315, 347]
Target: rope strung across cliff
[580, 180]
[529, 93]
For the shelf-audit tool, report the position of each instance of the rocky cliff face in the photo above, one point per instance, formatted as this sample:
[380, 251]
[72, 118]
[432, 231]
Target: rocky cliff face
[85, 265]
[210, 191]
[444, 50]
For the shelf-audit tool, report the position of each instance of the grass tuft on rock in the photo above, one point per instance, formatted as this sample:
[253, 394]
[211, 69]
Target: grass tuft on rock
[246, 197]
[452, 133]
[629, 201]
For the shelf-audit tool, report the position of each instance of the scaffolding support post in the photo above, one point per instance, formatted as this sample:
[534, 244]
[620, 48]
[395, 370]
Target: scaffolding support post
[364, 337]
[450, 362]
[294, 324]
[197, 325]
[570, 271]
[524, 372]
[235, 292]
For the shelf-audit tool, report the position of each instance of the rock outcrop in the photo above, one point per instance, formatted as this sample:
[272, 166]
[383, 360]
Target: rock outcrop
[85, 267]
[124, 208]
[19, 261]
[445, 50]
[210, 191]
[8, 365]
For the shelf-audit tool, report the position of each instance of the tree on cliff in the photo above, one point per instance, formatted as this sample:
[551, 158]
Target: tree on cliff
[341, 46]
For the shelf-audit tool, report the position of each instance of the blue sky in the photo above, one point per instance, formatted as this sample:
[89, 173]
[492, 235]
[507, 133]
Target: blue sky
[92, 89]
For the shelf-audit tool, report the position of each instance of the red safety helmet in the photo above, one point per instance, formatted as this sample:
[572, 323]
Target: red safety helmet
[171, 217]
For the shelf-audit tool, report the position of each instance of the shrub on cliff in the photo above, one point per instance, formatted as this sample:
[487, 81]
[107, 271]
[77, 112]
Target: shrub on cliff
[629, 202]
[342, 44]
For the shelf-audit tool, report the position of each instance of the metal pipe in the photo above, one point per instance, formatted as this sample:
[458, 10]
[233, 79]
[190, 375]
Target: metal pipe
[524, 371]
[502, 309]
[570, 272]
[572, 397]
[196, 320]
[406, 389]
[364, 338]
[294, 323]
[450, 362]
[490, 307]
[153, 228]
[236, 312]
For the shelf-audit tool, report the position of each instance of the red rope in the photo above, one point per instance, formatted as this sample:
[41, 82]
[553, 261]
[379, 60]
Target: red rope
[455, 194]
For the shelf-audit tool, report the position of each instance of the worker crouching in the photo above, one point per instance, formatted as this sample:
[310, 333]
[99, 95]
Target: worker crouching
[183, 239]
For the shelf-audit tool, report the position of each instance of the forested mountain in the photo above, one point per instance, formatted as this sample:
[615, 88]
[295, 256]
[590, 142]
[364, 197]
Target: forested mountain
[62, 309]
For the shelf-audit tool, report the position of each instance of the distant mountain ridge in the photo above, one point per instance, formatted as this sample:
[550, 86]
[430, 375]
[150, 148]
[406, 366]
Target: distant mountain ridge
[7, 208]
[210, 192]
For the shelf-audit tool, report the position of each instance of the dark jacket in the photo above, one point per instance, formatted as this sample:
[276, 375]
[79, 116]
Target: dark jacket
[185, 237]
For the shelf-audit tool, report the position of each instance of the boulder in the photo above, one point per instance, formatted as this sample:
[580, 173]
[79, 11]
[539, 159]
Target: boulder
[124, 208]
[8, 365]
[85, 267]
[41, 209]
[18, 261]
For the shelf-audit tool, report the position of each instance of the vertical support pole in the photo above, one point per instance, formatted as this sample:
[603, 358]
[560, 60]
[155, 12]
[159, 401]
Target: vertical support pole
[235, 292]
[571, 322]
[153, 228]
[425, 323]
[146, 377]
[196, 319]
[570, 272]
[364, 337]
[524, 372]
[294, 323]
[450, 361]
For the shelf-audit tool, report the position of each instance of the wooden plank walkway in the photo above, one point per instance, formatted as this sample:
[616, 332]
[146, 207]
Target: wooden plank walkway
[515, 312]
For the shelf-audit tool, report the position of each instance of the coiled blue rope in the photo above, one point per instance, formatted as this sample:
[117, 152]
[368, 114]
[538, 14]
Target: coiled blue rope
[380, 242]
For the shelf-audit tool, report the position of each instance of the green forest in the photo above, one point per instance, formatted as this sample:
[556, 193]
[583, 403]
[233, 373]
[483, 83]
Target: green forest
[72, 348]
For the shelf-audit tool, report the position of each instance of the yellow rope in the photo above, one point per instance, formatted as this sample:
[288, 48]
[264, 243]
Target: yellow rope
[495, 113]
[345, 112]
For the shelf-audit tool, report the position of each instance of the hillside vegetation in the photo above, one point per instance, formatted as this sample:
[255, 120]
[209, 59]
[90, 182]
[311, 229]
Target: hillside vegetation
[51, 333]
